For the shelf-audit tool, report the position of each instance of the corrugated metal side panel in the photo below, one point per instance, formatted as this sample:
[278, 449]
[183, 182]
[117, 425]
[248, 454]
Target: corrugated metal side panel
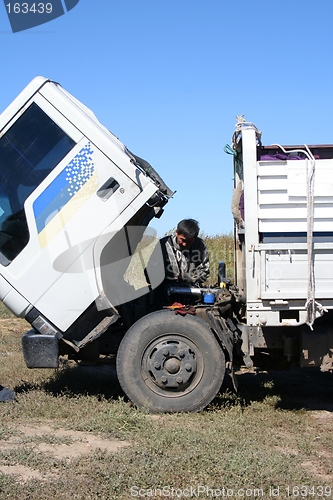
[285, 273]
[282, 212]
[282, 196]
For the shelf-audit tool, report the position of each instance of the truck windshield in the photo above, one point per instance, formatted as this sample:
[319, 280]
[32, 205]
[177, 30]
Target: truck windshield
[29, 151]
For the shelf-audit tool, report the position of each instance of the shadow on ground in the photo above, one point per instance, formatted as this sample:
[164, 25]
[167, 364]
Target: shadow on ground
[294, 389]
[76, 379]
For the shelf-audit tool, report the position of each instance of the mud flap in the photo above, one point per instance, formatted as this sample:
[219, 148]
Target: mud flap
[231, 371]
[225, 330]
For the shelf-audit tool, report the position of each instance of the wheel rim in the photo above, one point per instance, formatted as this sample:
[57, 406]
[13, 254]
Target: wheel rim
[172, 365]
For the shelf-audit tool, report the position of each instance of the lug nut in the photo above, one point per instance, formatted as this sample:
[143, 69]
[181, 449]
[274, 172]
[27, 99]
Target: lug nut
[165, 352]
[157, 365]
[164, 380]
[188, 367]
[179, 380]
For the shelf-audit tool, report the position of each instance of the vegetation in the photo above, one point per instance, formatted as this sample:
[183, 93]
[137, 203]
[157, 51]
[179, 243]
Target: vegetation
[220, 248]
[265, 440]
[4, 311]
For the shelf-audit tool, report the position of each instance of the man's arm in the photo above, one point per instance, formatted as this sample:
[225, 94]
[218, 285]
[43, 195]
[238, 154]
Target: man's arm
[199, 269]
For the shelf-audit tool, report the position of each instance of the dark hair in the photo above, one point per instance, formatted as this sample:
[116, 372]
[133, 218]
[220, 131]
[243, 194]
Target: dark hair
[188, 227]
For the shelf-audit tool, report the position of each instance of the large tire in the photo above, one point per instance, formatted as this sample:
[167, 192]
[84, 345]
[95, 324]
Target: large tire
[170, 363]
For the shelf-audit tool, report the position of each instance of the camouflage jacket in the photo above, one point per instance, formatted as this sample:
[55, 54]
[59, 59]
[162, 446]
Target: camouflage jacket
[189, 266]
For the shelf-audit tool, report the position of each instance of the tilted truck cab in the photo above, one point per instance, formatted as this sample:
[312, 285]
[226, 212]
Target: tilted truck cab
[69, 189]
[74, 207]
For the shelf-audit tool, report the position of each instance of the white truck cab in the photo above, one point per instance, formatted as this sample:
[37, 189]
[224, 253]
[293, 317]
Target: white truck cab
[69, 188]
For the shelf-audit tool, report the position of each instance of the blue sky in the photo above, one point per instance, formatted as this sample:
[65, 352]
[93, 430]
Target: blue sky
[168, 78]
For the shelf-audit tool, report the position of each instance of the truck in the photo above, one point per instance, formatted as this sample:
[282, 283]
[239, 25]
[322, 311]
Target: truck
[75, 209]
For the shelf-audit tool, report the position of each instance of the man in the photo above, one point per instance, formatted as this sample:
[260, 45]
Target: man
[185, 255]
[185, 259]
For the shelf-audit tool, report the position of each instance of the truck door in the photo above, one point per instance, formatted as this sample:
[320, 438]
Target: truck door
[58, 194]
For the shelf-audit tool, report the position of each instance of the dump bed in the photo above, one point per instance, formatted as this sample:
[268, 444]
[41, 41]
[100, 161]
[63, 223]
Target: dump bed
[284, 229]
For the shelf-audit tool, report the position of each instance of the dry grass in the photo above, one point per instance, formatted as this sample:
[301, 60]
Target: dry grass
[220, 248]
[70, 434]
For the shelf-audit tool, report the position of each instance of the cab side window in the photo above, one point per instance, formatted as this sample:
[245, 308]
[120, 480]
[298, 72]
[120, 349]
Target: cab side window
[31, 148]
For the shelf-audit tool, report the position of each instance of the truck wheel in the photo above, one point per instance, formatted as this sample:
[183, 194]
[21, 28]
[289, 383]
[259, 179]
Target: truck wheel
[170, 363]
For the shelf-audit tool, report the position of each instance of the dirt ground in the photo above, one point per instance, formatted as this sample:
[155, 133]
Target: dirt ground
[301, 392]
[77, 444]
[82, 443]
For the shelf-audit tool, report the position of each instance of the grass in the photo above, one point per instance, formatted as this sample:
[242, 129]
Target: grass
[257, 440]
[5, 312]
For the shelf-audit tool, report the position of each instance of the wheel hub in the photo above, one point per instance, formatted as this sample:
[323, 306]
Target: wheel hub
[171, 365]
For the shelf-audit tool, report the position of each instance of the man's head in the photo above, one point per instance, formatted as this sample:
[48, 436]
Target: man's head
[186, 233]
